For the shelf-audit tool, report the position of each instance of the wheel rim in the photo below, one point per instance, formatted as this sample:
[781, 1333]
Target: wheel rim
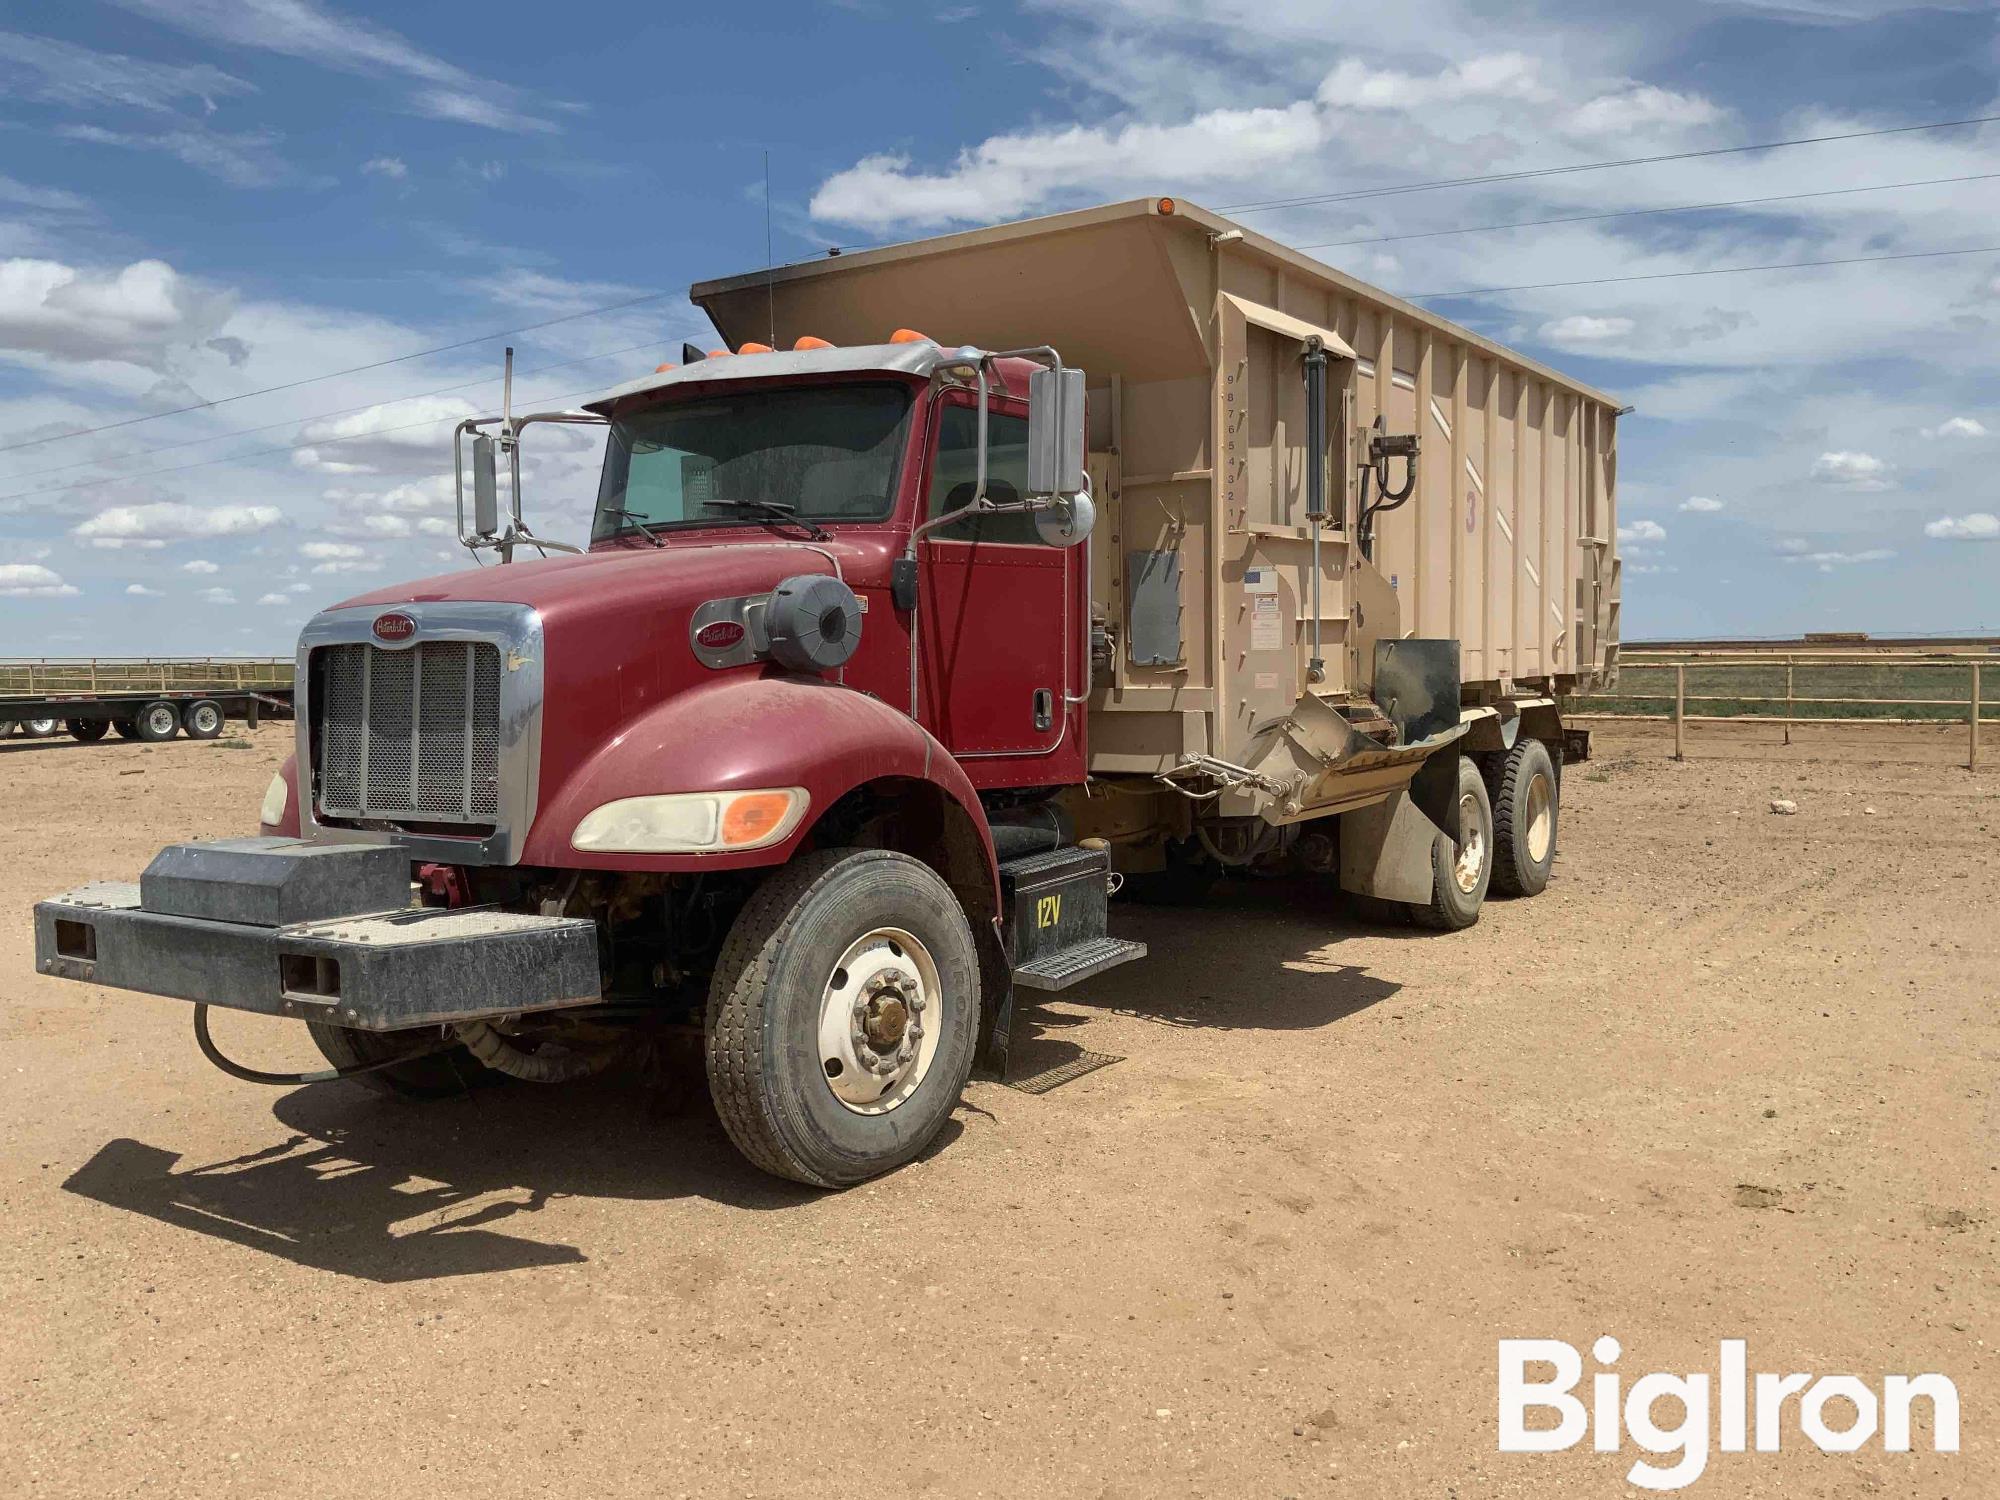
[1541, 819]
[160, 720]
[880, 1018]
[206, 719]
[41, 727]
[1471, 861]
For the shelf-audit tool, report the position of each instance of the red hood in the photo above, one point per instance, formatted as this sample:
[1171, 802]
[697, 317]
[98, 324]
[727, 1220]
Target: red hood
[629, 579]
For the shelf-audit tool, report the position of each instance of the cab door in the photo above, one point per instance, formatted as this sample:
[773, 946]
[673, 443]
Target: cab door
[998, 611]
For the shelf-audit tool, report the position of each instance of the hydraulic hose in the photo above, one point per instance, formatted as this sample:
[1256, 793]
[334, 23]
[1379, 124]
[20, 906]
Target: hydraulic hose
[235, 1069]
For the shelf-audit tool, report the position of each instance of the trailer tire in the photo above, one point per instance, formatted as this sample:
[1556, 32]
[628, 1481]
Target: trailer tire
[1525, 788]
[89, 731]
[438, 1076]
[40, 729]
[128, 729]
[202, 719]
[6, 728]
[873, 925]
[156, 722]
[1462, 868]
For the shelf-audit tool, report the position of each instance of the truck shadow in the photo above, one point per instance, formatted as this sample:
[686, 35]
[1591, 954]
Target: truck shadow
[390, 1192]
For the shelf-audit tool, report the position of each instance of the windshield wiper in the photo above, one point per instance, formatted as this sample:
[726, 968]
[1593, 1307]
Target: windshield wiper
[638, 523]
[774, 510]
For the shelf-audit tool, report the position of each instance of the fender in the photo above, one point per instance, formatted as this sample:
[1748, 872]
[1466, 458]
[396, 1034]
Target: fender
[742, 731]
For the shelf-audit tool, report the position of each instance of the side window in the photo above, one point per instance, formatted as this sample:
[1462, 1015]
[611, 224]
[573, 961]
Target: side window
[955, 473]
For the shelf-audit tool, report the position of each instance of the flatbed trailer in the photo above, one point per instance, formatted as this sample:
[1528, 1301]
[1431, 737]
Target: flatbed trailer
[149, 699]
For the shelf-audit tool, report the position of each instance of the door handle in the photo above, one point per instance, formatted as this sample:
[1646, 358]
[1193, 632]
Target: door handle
[1045, 709]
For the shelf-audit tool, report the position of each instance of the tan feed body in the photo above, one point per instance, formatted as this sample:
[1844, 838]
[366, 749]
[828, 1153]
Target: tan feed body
[1191, 330]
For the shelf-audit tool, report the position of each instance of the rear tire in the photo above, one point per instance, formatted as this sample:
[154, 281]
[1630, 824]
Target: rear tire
[156, 722]
[1524, 787]
[202, 720]
[797, 1094]
[128, 729]
[1462, 868]
[1187, 880]
[89, 731]
[39, 729]
[438, 1076]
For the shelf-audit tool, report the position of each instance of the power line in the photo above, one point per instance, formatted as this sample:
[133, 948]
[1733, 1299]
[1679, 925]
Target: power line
[589, 312]
[1790, 265]
[345, 411]
[235, 458]
[1593, 166]
[1633, 213]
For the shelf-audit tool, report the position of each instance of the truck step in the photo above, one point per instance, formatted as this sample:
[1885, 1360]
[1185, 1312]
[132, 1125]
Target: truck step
[1068, 966]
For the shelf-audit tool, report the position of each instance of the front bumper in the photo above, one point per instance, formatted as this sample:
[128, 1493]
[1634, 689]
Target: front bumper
[374, 971]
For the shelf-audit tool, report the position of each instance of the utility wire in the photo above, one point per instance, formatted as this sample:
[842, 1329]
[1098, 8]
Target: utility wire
[1592, 166]
[345, 411]
[233, 458]
[1789, 265]
[1634, 213]
[588, 312]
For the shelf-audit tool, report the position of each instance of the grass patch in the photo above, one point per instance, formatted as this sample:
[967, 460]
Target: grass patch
[1730, 691]
[235, 744]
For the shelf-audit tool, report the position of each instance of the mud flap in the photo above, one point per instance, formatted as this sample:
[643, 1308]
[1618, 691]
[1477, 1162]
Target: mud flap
[1434, 790]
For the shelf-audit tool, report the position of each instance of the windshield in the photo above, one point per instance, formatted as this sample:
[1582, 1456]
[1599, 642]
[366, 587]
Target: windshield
[829, 452]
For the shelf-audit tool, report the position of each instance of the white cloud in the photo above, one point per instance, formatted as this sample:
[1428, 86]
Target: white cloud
[199, 565]
[1826, 562]
[135, 315]
[218, 596]
[171, 521]
[339, 557]
[396, 436]
[1974, 526]
[48, 71]
[1852, 471]
[325, 550]
[246, 159]
[275, 599]
[1957, 427]
[1701, 505]
[32, 581]
[140, 591]
[391, 167]
[1642, 531]
[1581, 328]
[305, 29]
[1641, 107]
[1009, 174]
[1503, 75]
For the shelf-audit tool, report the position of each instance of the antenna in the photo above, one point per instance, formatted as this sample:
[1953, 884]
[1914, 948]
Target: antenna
[770, 270]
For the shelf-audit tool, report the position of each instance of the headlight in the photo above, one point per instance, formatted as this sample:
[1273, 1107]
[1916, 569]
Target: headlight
[276, 795]
[692, 822]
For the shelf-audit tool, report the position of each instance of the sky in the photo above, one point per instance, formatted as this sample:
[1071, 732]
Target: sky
[210, 209]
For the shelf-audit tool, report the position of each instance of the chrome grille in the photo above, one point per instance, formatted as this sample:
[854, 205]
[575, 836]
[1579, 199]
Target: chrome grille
[411, 734]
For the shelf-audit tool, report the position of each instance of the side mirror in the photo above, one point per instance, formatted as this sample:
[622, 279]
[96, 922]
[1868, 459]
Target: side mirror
[1066, 520]
[1055, 432]
[485, 488]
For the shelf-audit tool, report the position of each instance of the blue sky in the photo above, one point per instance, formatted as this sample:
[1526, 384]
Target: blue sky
[204, 198]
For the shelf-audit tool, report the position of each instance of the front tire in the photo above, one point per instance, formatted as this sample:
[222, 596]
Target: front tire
[842, 1017]
[156, 722]
[1461, 868]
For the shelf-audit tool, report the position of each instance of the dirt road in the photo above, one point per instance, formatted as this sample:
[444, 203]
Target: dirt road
[1731, 1076]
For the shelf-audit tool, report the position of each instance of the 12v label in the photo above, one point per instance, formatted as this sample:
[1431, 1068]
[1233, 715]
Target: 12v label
[1048, 911]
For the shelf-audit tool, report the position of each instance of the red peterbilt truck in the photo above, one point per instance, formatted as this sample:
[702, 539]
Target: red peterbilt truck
[892, 658]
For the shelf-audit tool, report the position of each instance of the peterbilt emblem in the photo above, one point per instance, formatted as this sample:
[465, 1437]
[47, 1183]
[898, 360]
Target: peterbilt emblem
[394, 627]
[720, 635]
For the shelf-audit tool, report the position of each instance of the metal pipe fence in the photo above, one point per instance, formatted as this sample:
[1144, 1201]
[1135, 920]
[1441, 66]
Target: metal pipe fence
[1738, 686]
[53, 676]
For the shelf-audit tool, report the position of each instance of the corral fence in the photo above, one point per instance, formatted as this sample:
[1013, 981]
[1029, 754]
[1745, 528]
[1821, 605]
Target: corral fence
[53, 676]
[1797, 686]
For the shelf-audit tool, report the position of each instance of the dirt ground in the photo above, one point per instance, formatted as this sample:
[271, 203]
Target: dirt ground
[1731, 1076]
